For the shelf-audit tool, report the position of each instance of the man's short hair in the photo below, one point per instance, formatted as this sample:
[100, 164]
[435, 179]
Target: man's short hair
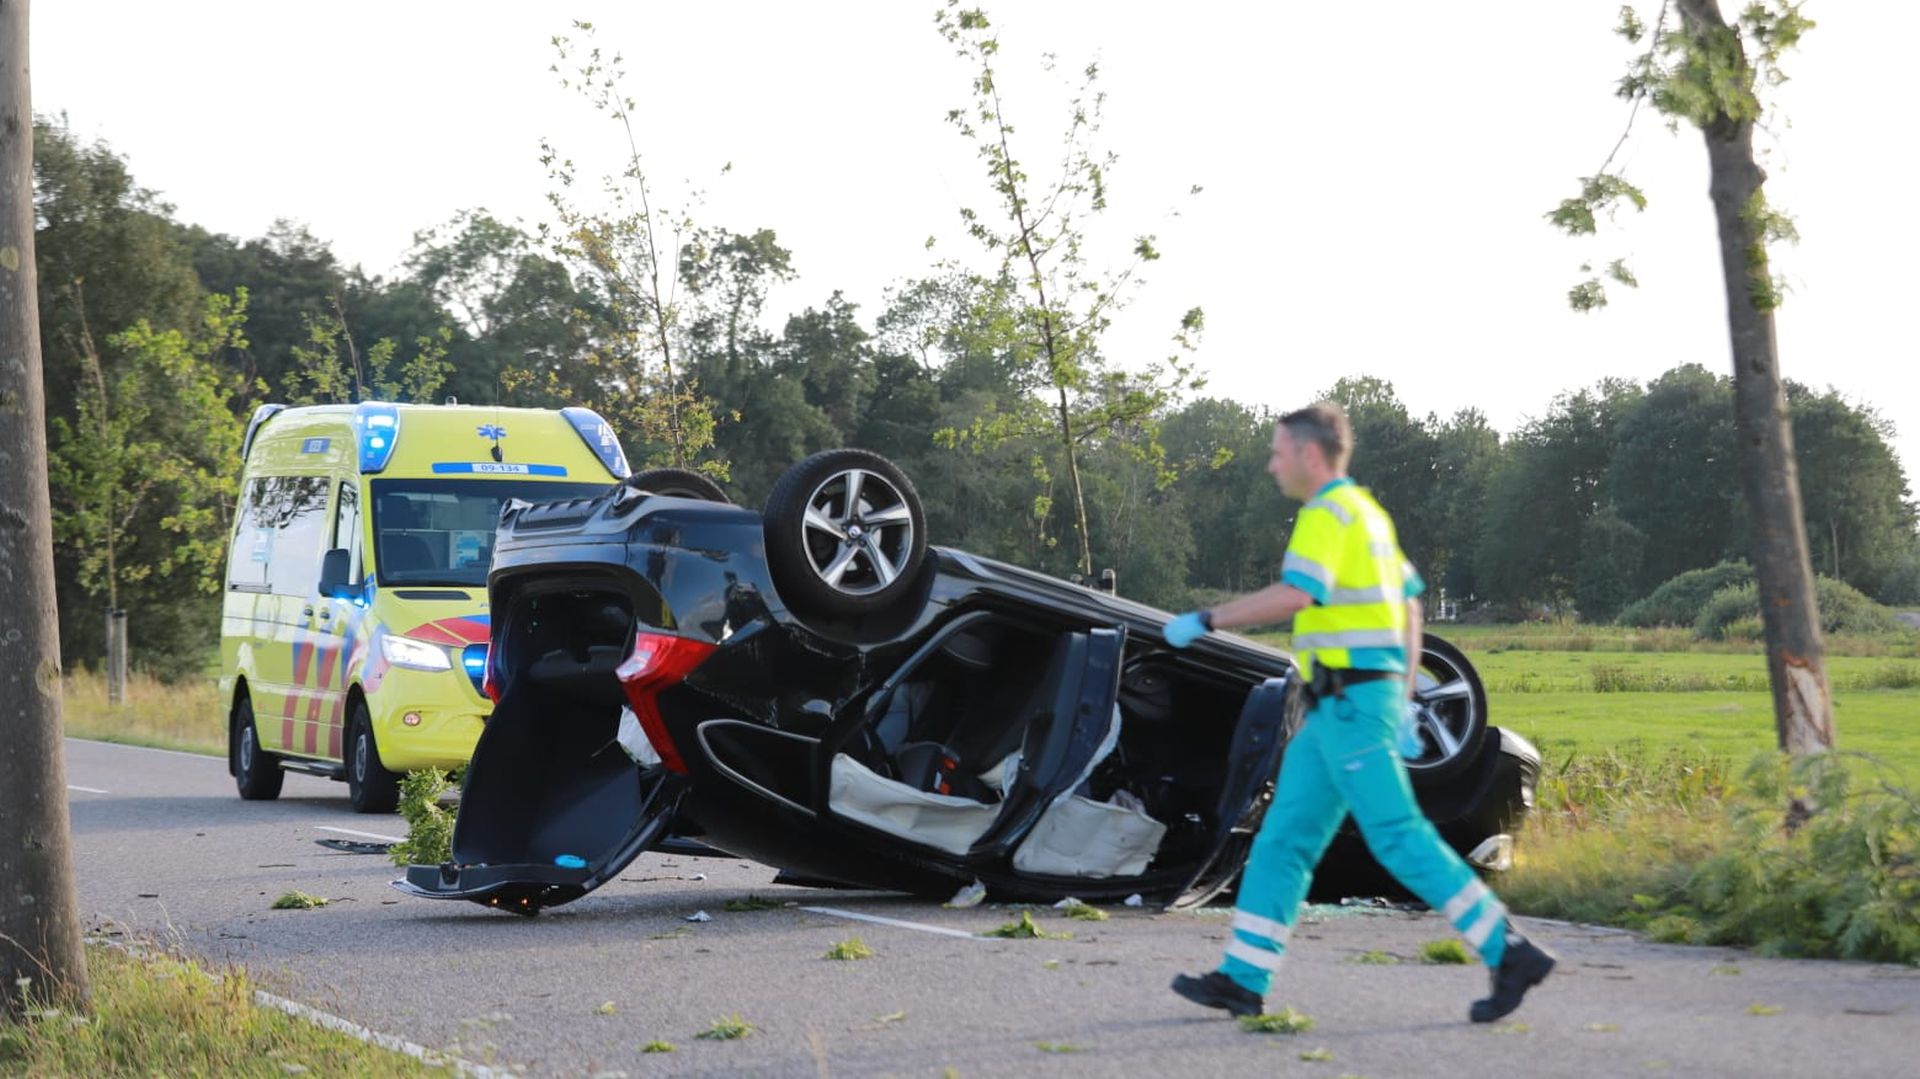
[1325, 425]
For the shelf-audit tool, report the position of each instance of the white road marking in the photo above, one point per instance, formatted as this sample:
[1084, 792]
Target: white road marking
[373, 1037]
[85, 790]
[895, 922]
[363, 835]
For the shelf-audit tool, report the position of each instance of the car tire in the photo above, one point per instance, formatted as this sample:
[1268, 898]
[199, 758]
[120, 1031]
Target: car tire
[1453, 714]
[370, 787]
[841, 557]
[256, 773]
[677, 483]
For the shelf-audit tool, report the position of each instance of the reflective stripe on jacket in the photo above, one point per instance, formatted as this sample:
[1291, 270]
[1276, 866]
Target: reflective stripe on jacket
[1346, 555]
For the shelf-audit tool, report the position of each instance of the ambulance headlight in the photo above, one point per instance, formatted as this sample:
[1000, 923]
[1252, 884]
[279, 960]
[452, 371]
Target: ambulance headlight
[419, 655]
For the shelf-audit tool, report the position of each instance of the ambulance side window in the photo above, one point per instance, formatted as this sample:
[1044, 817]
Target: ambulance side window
[346, 528]
[297, 507]
[252, 541]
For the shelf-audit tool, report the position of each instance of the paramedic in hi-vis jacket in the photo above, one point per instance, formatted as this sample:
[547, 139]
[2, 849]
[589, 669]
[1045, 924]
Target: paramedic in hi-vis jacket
[1353, 598]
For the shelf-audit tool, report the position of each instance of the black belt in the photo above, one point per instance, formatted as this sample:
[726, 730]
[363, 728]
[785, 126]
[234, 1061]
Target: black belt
[1333, 681]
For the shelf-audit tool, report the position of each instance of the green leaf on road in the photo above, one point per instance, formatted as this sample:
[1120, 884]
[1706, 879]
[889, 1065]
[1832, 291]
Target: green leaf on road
[1025, 929]
[727, 1028]
[298, 900]
[1444, 952]
[849, 949]
[1284, 1021]
[1375, 959]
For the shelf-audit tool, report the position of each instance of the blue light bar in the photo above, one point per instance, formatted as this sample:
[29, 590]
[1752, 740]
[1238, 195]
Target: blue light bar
[599, 436]
[378, 426]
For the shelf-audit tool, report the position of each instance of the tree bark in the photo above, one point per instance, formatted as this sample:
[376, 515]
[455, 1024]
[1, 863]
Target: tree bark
[1796, 664]
[39, 918]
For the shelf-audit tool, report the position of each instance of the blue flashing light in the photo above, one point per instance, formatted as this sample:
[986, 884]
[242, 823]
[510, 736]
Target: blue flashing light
[599, 436]
[377, 425]
[473, 660]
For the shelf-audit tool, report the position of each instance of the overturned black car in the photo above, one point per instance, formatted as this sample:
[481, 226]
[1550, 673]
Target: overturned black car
[817, 689]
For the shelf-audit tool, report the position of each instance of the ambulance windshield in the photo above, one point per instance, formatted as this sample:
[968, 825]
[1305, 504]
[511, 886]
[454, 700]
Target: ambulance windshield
[440, 532]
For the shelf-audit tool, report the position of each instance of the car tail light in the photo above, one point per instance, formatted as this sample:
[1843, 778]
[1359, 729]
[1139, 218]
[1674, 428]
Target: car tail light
[490, 679]
[659, 660]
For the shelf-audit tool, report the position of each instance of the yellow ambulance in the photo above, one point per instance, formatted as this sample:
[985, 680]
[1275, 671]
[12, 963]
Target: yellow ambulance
[353, 634]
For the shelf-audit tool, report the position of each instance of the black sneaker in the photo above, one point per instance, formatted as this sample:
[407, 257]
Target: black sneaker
[1216, 990]
[1524, 966]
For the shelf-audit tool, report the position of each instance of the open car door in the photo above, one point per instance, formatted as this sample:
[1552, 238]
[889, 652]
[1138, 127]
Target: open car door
[553, 806]
[1266, 722]
[1073, 724]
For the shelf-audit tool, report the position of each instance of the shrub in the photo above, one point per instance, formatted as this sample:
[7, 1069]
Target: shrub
[1734, 613]
[1678, 855]
[429, 826]
[1846, 884]
[1679, 601]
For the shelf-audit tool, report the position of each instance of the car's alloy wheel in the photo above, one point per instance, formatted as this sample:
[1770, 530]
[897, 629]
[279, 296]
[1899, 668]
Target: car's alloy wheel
[845, 532]
[859, 532]
[1449, 708]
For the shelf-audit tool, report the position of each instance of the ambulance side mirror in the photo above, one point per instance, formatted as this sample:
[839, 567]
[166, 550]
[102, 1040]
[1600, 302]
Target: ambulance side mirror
[334, 566]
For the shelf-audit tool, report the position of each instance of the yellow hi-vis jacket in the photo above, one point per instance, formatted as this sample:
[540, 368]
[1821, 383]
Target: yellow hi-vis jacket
[1345, 554]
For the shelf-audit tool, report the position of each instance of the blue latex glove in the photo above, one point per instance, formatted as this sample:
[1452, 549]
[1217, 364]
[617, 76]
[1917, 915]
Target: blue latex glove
[1185, 629]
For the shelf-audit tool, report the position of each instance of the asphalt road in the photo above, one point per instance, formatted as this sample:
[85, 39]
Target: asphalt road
[166, 849]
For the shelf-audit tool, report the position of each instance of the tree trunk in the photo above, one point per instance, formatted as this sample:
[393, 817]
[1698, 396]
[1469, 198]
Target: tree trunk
[1073, 475]
[39, 920]
[1796, 664]
[116, 656]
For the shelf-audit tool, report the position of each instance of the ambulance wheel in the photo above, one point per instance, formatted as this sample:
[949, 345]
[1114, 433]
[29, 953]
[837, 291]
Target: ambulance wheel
[676, 483]
[256, 772]
[370, 787]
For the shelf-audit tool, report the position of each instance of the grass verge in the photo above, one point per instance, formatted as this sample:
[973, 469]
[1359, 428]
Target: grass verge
[187, 715]
[1685, 850]
[162, 1015]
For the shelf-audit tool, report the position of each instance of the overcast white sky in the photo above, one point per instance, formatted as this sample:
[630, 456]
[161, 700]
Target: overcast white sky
[1374, 184]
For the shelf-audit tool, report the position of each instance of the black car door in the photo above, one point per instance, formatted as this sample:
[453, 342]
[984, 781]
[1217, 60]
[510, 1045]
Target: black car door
[1071, 717]
[1253, 761]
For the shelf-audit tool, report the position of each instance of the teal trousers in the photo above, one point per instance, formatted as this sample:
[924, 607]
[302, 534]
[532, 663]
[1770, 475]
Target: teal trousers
[1343, 761]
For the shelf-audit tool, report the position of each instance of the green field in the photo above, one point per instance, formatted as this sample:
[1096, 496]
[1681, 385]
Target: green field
[1884, 723]
[1571, 689]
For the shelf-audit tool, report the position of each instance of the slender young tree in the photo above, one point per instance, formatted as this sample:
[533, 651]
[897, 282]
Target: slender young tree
[634, 253]
[39, 917]
[1701, 69]
[1054, 306]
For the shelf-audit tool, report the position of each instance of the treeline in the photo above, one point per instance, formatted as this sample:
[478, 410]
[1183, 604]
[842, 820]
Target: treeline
[160, 337]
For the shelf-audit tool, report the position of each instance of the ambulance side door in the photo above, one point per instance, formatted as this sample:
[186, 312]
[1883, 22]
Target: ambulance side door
[285, 708]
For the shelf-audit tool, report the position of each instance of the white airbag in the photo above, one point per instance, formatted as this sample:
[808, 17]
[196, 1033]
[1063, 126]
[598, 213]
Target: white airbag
[941, 821]
[1079, 837]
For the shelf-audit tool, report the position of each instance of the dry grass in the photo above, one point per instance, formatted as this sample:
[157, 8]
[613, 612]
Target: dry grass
[165, 1015]
[186, 715]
